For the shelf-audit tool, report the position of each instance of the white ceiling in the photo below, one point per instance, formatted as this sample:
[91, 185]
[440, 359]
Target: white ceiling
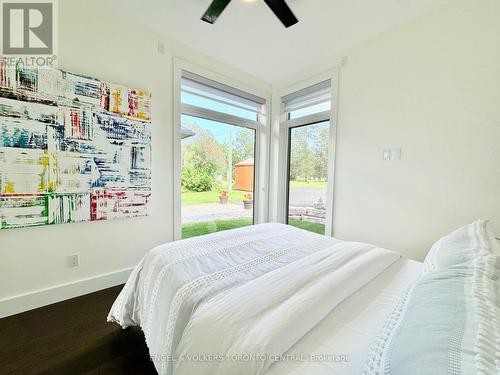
[248, 35]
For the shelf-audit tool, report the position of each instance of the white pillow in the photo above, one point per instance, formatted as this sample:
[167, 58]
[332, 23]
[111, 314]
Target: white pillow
[447, 323]
[461, 246]
[495, 244]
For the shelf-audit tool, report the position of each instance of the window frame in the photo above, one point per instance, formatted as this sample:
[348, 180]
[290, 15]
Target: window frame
[290, 125]
[286, 124]
[261, 128]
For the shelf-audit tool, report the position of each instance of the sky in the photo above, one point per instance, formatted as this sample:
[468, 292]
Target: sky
[221, 104]
[218, 129]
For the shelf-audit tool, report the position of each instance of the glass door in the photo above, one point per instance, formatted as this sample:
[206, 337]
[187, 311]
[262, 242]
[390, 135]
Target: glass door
[308, 176]
[219, 158]
[218, 175]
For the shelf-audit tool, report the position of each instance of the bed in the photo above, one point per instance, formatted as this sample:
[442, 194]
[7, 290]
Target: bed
[275, 299]
[349, 331]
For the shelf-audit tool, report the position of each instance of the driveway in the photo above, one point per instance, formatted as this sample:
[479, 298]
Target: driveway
[305, 197]
[214, 211]
[299, 197]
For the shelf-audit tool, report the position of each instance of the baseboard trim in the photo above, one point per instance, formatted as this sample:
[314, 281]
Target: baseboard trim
[43, 297]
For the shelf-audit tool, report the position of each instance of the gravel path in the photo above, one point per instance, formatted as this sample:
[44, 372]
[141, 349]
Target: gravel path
[214, 211]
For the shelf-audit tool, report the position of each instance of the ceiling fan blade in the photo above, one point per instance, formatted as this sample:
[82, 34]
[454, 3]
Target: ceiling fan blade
[214, 10]
[283, 12]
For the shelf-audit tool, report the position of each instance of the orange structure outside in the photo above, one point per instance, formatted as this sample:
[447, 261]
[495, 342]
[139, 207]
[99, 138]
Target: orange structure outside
[243, 175]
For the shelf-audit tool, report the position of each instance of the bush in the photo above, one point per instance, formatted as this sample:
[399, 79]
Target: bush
[199, 179]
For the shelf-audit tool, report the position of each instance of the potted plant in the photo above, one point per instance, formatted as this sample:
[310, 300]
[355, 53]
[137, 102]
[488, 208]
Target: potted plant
[223, 196]
[248, 201]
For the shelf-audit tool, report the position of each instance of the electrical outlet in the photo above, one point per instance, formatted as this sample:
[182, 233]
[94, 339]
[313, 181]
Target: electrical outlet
[74, 260]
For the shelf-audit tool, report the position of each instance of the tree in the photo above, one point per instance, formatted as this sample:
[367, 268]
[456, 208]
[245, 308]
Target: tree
[202, 159]
[321, 153]
[301, 155]
[309, 153]
[243, 146]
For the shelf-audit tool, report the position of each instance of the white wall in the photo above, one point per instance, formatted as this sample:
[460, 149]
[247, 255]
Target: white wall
[94, 42]
[431, 87]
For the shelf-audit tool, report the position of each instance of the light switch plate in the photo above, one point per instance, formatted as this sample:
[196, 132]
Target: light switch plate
[391, 154]
[396, 154]
[386, 154]
[161, 47]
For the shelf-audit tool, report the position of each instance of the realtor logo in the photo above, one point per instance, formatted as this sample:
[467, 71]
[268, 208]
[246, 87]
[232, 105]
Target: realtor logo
[28, 27]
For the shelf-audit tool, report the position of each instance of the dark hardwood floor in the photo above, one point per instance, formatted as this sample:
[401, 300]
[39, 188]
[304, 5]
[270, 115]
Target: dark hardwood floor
[72, 337]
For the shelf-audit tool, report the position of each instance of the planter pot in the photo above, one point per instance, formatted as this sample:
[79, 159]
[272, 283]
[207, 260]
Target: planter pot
[248, 205]
[223, 200]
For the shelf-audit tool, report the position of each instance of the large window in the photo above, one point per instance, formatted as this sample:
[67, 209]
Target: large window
[307, 114]
[219, 126]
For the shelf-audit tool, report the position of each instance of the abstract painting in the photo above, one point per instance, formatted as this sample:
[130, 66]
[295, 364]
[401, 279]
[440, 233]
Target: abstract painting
[72, 148]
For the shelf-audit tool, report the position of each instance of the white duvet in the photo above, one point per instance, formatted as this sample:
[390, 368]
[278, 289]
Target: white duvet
[235, 301]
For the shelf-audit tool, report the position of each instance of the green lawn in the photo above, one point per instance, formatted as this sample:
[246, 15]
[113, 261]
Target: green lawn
[191, 197]
[311, 227]
[310, 184]
[198, 229]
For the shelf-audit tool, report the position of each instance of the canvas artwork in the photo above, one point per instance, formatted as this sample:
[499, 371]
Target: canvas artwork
[72, 148]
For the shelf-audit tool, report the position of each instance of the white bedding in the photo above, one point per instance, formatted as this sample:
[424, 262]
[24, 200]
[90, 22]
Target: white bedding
[195, 297]
[352, 327]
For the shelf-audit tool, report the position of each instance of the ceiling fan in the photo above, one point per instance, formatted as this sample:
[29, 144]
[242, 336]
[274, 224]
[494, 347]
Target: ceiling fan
[279, 7]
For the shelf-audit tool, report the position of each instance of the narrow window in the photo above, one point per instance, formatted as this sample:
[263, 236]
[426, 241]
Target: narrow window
[219, 127]
[307, 114]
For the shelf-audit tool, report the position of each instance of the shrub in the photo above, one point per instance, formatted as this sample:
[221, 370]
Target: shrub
[199, 179]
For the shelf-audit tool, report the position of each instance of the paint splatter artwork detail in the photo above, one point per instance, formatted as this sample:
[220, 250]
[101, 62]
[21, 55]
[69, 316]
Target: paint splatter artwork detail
[72, 148]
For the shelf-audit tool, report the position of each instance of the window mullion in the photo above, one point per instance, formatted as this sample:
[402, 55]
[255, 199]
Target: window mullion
[208, 114]
[308, 120]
